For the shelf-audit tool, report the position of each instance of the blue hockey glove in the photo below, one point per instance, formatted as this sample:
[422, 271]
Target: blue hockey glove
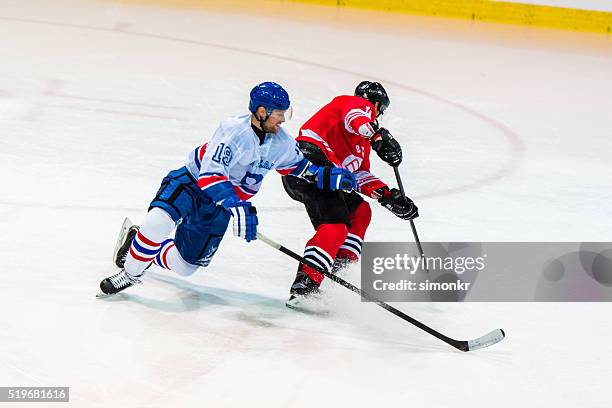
[244, 218]
[334, 178]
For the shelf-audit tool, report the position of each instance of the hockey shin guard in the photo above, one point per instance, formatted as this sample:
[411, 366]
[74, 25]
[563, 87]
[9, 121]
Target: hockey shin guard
[156, 227]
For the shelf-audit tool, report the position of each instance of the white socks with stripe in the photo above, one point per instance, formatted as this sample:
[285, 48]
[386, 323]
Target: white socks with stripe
[151, 242]
[169, 258]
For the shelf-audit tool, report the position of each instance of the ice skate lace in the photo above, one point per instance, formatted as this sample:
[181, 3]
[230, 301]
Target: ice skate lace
[122, 280]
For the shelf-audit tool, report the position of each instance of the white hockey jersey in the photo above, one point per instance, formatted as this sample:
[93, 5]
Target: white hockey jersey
[233, 164]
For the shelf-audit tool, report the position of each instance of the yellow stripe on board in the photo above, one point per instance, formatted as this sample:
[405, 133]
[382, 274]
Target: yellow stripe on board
[478, 10]
[487, 10]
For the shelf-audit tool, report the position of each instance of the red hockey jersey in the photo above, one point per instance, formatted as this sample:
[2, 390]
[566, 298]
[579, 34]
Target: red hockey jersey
[342, 130]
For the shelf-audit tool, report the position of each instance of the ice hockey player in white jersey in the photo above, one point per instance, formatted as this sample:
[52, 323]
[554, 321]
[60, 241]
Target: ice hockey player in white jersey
[213, 187]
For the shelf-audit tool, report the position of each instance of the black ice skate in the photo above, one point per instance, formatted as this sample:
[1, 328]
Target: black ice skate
[340, 266]
[126, 234]
[303, 287]
[117, 283]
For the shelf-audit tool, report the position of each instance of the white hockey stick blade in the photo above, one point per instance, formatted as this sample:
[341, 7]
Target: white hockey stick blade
[127, 223]
[487, 340]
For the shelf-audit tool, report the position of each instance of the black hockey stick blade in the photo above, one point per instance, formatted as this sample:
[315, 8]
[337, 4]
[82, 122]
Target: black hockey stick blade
[470, 345]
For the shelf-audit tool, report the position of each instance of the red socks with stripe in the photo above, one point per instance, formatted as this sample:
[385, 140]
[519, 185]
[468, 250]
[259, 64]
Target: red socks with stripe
[337, 239]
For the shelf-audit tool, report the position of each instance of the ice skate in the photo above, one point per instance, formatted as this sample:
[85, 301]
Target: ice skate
[303, 288]
[116, 283]
[126, 234]
[341, 266]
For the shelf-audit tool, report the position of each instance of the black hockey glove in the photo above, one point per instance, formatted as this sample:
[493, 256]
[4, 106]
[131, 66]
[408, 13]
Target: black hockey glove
[387, 148]
[393, 201]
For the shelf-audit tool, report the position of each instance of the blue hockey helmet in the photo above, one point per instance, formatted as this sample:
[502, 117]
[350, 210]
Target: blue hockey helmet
[270, 95]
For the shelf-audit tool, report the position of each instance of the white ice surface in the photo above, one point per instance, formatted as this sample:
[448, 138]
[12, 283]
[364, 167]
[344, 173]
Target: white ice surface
[504, 140]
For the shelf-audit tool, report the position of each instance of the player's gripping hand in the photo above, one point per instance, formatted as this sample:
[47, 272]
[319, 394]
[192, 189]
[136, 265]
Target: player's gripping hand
[335, 178]
[394, 202]
[244, 218]
[387, 148]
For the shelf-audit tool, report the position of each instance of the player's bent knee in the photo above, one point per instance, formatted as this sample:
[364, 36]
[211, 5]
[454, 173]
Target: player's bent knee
[364, 211]
[157, 223]
[335, 229]
[342, 232]
[186, 269]
[360, 219]
[334, 232]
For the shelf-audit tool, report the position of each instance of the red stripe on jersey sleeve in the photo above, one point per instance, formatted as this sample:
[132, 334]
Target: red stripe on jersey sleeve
[242, 195]
[202, 151]
[367, 183]
[206, 181]
[368, 188]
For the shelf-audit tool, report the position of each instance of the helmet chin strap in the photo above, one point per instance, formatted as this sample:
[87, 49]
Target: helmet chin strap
[262, 121]
[377, 105]
[375, 125]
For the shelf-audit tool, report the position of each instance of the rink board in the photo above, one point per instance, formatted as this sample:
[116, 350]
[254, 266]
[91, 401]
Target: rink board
[477, 10]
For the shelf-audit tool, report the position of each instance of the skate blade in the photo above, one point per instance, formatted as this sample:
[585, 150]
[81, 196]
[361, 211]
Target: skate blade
[125, 227]
[312, 305]
[112, 296]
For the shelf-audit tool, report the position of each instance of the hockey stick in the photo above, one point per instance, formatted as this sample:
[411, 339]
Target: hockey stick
[414, 231]
[487, 340]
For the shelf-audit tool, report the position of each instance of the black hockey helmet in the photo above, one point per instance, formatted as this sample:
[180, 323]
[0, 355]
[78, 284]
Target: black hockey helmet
[374, 92]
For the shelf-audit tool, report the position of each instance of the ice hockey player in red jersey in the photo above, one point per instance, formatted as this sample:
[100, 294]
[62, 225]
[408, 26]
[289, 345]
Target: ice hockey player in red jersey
[342, 134]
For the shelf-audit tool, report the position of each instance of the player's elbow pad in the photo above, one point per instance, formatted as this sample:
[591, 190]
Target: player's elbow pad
[313, 153]
[366, 130]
